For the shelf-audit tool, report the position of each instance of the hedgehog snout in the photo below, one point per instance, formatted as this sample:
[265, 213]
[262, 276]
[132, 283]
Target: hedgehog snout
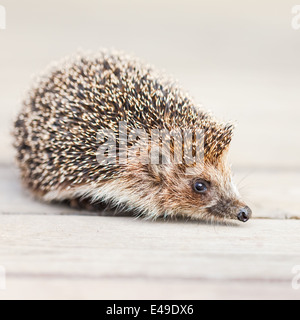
[244, 214]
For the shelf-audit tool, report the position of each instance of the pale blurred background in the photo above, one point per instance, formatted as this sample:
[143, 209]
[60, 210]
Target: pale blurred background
[239, 59]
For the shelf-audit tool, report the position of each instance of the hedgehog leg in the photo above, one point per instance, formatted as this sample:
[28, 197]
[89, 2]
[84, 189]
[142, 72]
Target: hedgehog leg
[101, 208]
[86, 204]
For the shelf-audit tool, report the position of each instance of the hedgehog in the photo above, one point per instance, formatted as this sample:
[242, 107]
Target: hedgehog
[74, 113]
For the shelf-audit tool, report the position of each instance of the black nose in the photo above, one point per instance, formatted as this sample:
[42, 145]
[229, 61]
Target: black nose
[244, 214]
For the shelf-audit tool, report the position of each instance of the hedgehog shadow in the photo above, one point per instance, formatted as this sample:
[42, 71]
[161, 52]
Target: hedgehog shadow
[101, 209]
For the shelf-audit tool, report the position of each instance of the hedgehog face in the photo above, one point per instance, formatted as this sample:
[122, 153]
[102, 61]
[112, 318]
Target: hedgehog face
[205, 191]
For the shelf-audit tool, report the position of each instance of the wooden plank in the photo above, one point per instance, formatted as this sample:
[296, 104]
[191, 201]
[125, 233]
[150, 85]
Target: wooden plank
[143, 289]
[114, 257]
[270, 192]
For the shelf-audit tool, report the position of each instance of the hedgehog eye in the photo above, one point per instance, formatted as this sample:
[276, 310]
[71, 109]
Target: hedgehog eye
[200, 186]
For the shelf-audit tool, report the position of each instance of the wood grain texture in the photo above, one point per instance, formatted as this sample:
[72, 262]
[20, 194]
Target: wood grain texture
[114, 257]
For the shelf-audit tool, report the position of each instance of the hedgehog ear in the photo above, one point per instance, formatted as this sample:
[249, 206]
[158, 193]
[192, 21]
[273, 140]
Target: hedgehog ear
[217, 145]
